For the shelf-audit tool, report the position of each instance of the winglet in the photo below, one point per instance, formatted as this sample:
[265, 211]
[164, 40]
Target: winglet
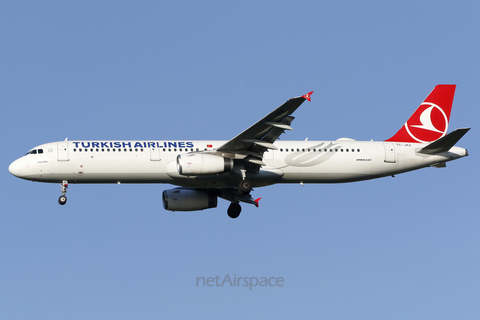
[308, 96]
[256, 202]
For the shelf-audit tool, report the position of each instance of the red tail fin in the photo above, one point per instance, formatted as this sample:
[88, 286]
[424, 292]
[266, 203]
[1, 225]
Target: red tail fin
[430, 121]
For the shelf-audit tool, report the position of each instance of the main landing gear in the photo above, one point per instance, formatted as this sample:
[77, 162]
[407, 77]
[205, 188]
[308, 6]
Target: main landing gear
[63, 199]
[234, 210]
[241, 195]
[245, 186]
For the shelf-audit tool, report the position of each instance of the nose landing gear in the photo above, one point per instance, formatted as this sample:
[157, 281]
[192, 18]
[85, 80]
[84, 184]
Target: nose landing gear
[63, 199]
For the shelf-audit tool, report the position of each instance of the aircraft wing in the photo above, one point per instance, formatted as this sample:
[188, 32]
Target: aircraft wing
[253, 142]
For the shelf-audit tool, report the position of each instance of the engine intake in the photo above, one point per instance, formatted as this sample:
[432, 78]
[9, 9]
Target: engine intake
[181, 199]
[193, 164]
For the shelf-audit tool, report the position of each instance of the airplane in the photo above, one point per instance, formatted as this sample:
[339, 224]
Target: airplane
[207, 170]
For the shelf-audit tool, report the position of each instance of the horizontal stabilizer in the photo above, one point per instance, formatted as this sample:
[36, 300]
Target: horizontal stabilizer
[445, 143]
[439, 165]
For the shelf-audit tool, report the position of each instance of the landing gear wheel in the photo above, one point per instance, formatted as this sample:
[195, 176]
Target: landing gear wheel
[62, 200]
[245, 186]
[234, 210]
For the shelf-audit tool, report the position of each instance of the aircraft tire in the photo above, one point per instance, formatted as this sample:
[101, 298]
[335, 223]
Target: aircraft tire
[62, 200]
[245, 186]
[234, 210]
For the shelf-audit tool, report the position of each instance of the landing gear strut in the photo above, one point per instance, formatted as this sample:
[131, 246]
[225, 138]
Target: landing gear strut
[234, 210]
[63, 199]
[245, 186]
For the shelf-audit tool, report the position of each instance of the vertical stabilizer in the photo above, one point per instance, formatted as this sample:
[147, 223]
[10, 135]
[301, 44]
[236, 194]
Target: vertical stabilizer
[430, 121]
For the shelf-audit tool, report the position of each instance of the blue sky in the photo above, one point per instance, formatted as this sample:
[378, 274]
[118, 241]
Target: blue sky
[394, 248]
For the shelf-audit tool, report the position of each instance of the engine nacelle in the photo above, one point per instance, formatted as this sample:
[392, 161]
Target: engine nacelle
[188, 200]
[194, 164]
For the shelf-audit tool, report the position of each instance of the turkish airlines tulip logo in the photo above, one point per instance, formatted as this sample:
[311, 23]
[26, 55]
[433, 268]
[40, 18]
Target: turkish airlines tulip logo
[308, 96]
[428, 123]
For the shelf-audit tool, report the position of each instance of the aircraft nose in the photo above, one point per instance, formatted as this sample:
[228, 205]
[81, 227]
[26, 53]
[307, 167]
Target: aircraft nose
[14, 168]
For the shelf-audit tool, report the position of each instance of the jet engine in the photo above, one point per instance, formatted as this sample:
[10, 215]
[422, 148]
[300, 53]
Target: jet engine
[181, 199]
[193, 164]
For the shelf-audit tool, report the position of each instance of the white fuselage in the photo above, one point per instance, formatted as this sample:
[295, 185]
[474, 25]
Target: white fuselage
[150, 161]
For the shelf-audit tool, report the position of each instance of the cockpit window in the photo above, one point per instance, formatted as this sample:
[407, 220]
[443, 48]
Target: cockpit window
[35, 151]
